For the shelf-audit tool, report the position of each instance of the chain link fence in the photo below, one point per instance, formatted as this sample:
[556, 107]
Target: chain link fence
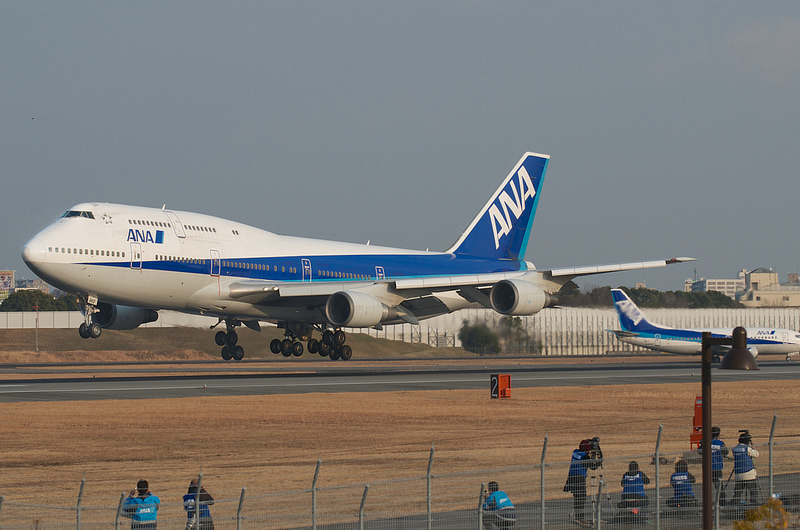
[444, 500]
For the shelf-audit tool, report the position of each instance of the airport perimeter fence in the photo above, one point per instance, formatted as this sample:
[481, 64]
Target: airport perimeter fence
[443, 500]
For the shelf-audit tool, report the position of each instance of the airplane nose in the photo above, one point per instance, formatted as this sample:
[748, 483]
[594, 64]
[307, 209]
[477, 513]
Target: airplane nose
[34, 252]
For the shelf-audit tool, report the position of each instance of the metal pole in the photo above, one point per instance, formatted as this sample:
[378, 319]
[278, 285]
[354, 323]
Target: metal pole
[658, 479]
[196, 517]
[314, 496]
[599, 506]
[541, 481]
[706, 382]
[78, 505]
[119, 510]
[771, 442]
[2, 498]
[239, 510]
[429, 480]
[480, 506]
[361, 508]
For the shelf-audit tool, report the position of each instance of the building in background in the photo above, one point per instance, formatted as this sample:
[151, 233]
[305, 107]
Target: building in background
[6, 284]
[762, 289]
[726, 286]
[36, 284]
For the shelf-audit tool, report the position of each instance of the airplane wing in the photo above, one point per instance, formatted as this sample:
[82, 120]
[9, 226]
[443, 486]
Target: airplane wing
[573, 272]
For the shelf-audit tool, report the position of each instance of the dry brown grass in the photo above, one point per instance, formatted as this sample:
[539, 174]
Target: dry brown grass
[273, 442]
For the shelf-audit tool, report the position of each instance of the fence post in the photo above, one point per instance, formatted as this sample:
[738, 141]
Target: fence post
[429, 493]
[314, 496]
[480, 506]
[2, 498]
[239, 510]
[658, 477]
[196, 517]
[119, 510]
[541, 480]
[361, 508]
[78, 505]
[771, 443]
[599, 506]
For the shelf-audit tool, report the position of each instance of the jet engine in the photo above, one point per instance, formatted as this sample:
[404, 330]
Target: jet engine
[112, 316]
[355, 309]
[518, 297]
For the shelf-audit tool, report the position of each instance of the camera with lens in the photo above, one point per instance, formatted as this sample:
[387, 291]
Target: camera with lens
[591, 446]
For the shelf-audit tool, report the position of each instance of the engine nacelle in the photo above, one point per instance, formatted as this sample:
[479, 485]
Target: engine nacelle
[112, 316]
[355, 309]
[518, 297]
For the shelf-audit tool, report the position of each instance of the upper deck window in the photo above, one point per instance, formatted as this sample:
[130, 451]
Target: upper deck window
[77, 213]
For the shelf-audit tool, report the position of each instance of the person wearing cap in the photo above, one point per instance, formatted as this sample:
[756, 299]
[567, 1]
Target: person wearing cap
[190, 501]
[141, 507]
[498, 510]
[633, 483]
[718, 453]
[745, 474]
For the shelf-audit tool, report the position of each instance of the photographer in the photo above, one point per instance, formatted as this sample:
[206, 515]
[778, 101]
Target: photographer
[141, 507]
[587, 455]
[500, 512]
[744, 470]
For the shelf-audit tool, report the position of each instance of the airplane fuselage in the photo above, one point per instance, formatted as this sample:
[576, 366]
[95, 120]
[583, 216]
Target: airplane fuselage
[688, 341]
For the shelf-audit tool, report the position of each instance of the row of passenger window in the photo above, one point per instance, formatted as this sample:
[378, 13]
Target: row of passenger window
[87, 252]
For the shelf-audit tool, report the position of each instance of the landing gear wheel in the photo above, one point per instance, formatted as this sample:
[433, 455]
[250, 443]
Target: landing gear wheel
[286, 348]
[219, 338]
[226, 353]
[231, 338]
[335, 355]
[788, 358]
[297, 349]
[83, 331]
[275, 346]
[345, 352]
[237, 353]
[313, 345]
[715, 358]
[324, 349]
[327, 337]
[339, 337]
[95, 330]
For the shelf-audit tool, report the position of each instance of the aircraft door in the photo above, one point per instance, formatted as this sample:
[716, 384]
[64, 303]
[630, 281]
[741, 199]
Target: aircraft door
[380, 273]
[176, 223]
[215, 263]
[136, 256]
[657, 341]
[306, 265]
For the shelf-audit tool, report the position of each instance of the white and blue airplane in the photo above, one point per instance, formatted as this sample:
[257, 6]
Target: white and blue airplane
[126, 263]
[637, 330]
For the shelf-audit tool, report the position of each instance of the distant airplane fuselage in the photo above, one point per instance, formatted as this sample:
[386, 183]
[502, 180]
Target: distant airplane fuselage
[637, 330]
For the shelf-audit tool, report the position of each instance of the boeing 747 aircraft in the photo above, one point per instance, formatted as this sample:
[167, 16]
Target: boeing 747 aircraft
[638, 331]
[127, 262]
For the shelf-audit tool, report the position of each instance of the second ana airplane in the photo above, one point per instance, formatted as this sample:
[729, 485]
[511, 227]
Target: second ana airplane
[637, 330]
[127, 262]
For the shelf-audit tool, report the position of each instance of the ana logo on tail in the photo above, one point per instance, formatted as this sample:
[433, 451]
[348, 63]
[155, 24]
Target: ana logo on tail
[522, 190]
[630, 310]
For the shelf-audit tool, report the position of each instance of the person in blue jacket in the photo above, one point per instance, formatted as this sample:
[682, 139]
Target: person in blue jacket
[190, 500]
[681, 482]
[633, 483]
[141, 507]
[744, 471]
[588, 455]
[498, 510]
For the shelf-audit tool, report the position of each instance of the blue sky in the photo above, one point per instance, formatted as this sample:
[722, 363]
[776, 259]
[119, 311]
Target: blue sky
[673, 128]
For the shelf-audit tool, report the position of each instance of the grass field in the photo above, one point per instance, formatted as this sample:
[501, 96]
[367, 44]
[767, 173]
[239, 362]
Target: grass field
[268, 443]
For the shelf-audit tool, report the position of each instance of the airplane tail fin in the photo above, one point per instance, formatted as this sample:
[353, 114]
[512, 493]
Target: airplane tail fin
[502, 228]
[631, 317]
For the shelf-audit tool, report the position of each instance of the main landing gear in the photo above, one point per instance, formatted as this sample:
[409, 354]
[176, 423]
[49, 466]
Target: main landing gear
[228, 340]
[332, 344]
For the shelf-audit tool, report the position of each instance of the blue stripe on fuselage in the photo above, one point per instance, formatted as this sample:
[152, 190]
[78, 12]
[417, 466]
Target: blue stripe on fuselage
[334, 267]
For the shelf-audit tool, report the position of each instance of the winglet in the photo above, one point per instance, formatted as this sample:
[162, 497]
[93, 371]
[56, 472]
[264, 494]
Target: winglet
[502, 227]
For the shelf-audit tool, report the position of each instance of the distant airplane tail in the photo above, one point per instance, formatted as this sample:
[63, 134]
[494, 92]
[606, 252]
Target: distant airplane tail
[631, 317]
[502, 228]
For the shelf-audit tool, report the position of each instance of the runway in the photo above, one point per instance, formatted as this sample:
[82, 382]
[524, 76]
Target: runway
[265, 379]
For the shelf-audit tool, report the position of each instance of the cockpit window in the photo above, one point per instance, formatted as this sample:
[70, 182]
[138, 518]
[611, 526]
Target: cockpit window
[76, 213]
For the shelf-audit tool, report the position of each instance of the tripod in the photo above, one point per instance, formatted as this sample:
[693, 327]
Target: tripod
[599, 495]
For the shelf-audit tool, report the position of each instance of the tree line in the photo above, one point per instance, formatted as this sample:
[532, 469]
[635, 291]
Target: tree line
[29, 299]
